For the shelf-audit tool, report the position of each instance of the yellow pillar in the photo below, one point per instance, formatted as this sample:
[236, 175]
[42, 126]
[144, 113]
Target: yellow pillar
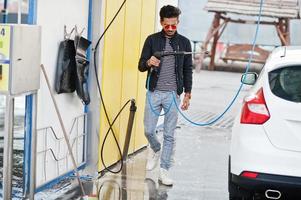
[121, 79]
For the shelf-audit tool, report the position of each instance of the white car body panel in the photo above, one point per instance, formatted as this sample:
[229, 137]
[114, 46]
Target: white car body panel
[275, 146]
[251, 150]
[284, 126]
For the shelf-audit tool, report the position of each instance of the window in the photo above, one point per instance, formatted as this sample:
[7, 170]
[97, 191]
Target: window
[286, 83]
[9, 11]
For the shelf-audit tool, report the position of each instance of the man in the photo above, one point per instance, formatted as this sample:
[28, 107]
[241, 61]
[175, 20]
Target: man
[170, 74]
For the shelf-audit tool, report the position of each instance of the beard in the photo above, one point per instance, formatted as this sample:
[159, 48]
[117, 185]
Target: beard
[170, 33]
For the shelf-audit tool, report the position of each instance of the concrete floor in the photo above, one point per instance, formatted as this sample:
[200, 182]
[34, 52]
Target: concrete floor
[200, 170]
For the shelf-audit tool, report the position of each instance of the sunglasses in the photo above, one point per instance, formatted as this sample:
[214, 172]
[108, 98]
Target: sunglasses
[173, 27]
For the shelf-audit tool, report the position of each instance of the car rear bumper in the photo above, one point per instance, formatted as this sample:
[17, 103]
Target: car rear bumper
[287, 185]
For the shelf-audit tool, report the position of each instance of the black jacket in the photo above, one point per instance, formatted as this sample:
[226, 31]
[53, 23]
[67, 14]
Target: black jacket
[156, 42]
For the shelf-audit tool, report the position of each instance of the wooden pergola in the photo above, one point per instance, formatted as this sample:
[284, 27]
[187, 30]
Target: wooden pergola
[280, 12]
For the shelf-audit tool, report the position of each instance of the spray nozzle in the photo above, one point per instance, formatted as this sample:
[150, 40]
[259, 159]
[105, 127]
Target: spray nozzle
[159, 54]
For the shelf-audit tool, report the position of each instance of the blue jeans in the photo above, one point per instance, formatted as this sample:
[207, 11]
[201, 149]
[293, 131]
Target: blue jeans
[161, 100]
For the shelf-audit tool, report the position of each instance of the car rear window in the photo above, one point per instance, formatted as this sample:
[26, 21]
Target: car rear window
[286, 83]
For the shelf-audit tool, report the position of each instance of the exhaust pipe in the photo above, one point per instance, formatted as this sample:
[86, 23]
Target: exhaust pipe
[272, 194]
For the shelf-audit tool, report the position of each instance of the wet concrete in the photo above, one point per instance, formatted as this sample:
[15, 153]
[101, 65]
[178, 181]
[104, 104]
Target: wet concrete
[200, 171]
[201, 160]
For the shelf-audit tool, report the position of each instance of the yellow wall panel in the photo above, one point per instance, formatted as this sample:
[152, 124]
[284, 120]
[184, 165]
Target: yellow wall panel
[121, 79]
[147, 27]
[131, 53]
[111, 78]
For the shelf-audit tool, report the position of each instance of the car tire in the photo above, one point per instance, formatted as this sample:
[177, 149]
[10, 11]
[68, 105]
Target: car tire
[232, 197]
[236, 193]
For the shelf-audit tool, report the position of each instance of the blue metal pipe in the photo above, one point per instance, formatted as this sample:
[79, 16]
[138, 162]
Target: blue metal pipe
[86, 109]
[4, 14]
[32, 19]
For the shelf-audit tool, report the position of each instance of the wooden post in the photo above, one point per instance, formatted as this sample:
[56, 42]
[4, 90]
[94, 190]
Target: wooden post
[199, 65]
[287, 31]
[280, 35]
[216, 23]
[211, 32]
[283, 30]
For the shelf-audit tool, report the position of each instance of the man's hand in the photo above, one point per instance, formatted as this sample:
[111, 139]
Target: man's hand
[153, 62]
[186, 101]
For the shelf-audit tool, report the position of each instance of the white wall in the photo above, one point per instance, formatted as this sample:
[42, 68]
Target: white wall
[52, 16]
[98, 22]
[160, 4]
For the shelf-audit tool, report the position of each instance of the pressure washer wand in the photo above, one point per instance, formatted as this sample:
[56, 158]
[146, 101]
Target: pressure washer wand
[160, 54]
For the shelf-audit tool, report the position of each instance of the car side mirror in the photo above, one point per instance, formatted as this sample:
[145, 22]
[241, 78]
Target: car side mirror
[249, 78]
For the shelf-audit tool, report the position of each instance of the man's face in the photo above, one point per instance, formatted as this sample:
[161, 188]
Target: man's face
[170, 25]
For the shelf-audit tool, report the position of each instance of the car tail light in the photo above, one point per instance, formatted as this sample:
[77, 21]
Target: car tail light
[254, 110]
[249, 174]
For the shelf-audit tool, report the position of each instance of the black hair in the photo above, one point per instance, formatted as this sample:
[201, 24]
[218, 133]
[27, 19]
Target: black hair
[169, 12]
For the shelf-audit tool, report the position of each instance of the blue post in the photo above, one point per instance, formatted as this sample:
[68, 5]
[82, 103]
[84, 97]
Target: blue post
[5, 15]
[89, 51]
[32, 19]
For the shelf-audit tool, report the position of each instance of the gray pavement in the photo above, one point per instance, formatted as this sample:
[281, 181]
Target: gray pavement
[200, 170]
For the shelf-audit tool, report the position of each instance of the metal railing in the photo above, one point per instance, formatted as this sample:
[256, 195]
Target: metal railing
[53, 148]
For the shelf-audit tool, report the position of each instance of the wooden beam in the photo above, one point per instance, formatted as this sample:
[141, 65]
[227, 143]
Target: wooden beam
[241, 21]
[287, 31]
[281, 36]
[283, 31]
[250, 7]
[216, 24]
[223, 29]
[212, 31]
[199, 65]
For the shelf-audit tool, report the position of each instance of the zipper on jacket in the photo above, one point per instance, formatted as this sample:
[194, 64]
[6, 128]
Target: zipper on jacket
[176, 66]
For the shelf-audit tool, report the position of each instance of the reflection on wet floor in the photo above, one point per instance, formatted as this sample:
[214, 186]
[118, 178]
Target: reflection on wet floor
[157, 191]
[152, 191]
[132, 183]
[199, 173]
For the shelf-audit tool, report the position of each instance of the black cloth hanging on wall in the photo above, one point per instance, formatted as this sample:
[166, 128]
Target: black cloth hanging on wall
[73, 68]
[82, 68]
[66, 68]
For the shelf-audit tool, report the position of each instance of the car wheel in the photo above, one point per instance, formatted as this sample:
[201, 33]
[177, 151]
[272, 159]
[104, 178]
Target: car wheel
[235, 192]
[232, 197]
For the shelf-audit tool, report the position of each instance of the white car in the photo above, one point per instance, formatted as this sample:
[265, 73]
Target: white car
[265, 152]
